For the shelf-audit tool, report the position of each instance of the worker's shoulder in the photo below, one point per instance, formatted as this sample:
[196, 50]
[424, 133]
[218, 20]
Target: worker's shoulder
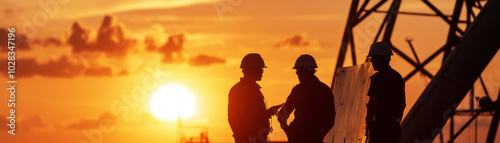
[395, 74]
[242, 86]
[311, 85]
[388, 73]
[298, 86]
[237, 87]
[322, 85]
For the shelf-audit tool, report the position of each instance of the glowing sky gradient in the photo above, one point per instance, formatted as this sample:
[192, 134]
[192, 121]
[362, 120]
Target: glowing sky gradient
[84, 61]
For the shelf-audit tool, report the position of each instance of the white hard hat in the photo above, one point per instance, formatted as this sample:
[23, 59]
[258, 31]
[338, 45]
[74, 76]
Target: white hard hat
[380, 49]
[306, 61]
[252, 60]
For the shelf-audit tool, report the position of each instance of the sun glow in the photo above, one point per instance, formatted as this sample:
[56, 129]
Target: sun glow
[172, 101]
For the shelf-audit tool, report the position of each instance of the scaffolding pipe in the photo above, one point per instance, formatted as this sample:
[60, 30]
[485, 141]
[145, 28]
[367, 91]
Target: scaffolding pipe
[455, 78]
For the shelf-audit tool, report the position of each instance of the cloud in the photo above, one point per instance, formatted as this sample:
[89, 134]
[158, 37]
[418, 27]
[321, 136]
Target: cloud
[91, 124]
[110, 38]
[79, 37]
[8, 12]
[98, 71]
[205, 60]
[51, 41]
[123, 73]
[294, 41]
[172, 50]
[153, 36]
[145, 119]
[63, 68]
[151, 43]
[21, 41]
[29, 123]
[33, 122]
[59, 68]
[4, 121]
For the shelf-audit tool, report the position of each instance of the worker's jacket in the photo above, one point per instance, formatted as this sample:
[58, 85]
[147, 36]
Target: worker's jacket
[314, 107]
[247, 114]
[389, 87]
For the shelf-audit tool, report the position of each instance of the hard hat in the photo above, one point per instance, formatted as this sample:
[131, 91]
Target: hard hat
[252, 60]
[380, 49]
[305, 60]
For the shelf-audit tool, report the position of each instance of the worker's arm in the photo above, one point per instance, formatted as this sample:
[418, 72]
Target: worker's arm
[373, 92]
[330, 118]
[401, 110]
[287, 109]
[371, 109]
[236, 112]
[273, 110]
[283, 116]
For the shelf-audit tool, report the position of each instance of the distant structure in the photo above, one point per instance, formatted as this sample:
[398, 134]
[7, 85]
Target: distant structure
[477, 43]
[181, 138]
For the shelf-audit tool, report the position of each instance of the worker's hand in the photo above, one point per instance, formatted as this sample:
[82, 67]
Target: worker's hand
[368, 123]
[400, 118]
[273, 110]
[284, 126]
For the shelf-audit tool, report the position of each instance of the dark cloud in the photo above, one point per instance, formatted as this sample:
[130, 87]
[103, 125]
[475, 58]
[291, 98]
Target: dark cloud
[79, 37]
[21, 41]
[98, 71]
[48, 42]
[8, 12]
[294, 41]
[33, 122]
[91, 124]
[29, 123]
[122, 73]
[59, 68]
[110, 39]
[63, 68]
[4, 122]
[145, 119]
[172, 50]
[205, 60]
[150, 42]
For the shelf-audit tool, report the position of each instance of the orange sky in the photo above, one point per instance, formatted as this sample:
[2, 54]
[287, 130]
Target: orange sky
[85, 58]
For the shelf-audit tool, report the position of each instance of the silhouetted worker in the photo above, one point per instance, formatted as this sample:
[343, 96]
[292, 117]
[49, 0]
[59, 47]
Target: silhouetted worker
[247, 113]
[313, 103]
[387, 97]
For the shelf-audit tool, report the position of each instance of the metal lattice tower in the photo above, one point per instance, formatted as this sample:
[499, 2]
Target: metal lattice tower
[358, 13]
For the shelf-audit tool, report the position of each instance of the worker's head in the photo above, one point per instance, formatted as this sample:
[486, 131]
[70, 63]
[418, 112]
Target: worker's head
[252, 66]
[380, 55]
[305, 66]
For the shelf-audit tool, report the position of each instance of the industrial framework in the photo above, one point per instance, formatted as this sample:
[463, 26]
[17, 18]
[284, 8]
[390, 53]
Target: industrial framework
[457, 39]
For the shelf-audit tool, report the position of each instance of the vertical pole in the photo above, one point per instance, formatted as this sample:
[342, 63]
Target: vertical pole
[494, 121]
[346, 38]
[178, 138]
[391, 21]
[441, 140]
[475, 137]
[353, 50]
[472, 100]
[452, 125]
[494, 125]
[452, 36]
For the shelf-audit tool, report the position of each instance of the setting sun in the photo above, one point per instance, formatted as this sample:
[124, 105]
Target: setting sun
[172, 101]
[162, 71]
